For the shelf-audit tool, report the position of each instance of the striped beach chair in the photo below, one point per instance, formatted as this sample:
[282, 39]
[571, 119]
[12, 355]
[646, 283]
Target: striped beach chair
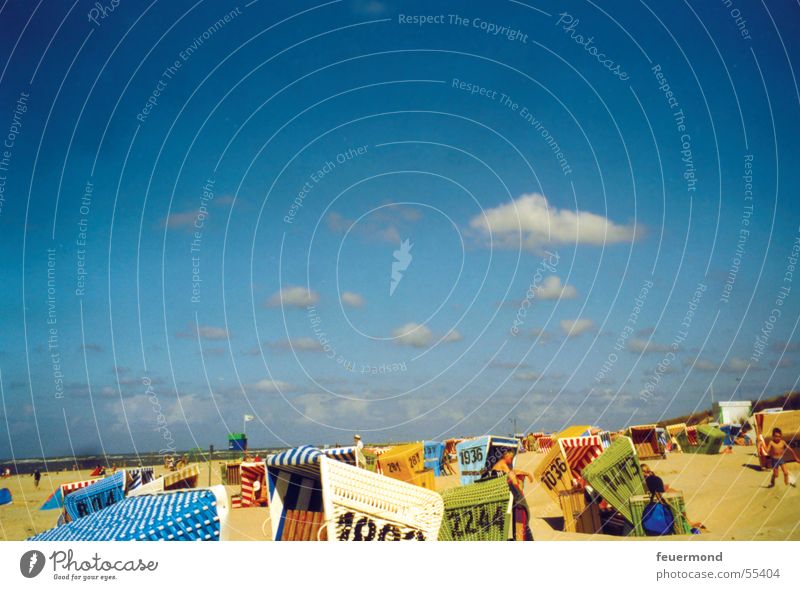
[189, 515]
[137, 477]
[347, 455]
[545, 443]
[95, 497]
[645, 439]
[183, 479]
[580, 451]
[253, 478]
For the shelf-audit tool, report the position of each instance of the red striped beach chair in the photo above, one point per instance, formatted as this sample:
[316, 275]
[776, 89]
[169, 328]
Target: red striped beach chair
[579, 452]
[253, 477]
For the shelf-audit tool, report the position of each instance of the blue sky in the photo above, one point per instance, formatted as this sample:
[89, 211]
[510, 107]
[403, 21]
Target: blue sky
[600, 208]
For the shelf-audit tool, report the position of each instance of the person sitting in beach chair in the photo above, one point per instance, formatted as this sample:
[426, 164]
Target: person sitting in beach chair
[516, 480]
[777, 450]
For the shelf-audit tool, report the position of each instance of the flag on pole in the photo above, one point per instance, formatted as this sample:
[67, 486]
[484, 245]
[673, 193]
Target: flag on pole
[249, 417]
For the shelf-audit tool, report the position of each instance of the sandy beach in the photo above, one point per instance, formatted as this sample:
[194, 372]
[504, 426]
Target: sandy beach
[725, 492]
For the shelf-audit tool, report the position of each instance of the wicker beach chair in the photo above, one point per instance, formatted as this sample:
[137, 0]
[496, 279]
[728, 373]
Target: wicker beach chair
[579, 452]
[676, 503]
[479, 511]
[616, 475]
[364, 506]
[580, 515]
[190, 515]
[184, 479]
[645, 439]
[708, 440]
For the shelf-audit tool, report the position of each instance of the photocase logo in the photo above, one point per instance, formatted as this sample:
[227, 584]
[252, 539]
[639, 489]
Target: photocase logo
[402, 259]
[31, 563]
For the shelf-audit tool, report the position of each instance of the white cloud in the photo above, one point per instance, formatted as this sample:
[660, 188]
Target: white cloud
[185, 219]
[736, 365]
[271, 386]
[552, 288]
[452, 336]
[352, 299]
[576, 327]
[526, 376]
[642, 346]
[705, 365]
[304, 343]
[205, 332]
[293, 296]
[538, 224]
[413, 334]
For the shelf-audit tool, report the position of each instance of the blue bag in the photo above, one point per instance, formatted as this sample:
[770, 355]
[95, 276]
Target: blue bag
[657, 519]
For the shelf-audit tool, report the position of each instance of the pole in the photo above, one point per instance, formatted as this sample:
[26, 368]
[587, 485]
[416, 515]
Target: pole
[210, 462]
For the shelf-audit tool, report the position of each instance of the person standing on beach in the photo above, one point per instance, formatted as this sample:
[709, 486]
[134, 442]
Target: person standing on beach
[37, 476]
[360, 460]
[521, 530]
[777, 450]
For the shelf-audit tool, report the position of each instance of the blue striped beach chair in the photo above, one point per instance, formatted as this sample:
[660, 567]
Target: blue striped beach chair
[96, 497]
[434, 456]
[137, 477]
[191, 515]
[343, 454]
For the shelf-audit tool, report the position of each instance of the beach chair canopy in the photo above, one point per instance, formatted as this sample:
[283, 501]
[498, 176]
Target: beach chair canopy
[55, 501]
[193, 515]
[477, 456]
[183, 479]
[573, 431]
[579, 452]
[344, 454]
[553, 473]
[96, 497]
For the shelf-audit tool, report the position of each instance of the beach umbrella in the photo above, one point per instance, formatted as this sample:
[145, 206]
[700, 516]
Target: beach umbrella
[5, 496]
[55, 501]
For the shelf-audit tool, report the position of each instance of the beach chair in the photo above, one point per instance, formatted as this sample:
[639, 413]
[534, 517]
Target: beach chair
[137, 477]
[407, 463]
[95, 497]
[55, 501]
[477, 456]
[708, 440]
[581, 515]
[545, 443]
[673, 430]
[645, 440]
[347, 455]
[616, 475]
[354, 504]
[253, 477]
[184, 479]
[676, 504]
[186, 515]
[434, 456]
[579, 452]
[230, 473]
[478, 511]
[573, 431]
[554, 473]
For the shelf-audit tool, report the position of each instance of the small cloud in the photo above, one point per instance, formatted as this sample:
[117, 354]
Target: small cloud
[572, 328]
[552, 288]
[642, 346]
[293, 296]
[533, 223]
[526, 376]
[704, 365]
[180, 220]
[271, 386]
[352, 299]
[204, 332]
[452, 336]
[737, 365]
[304, 344]
[783, 363]
[413, 334]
